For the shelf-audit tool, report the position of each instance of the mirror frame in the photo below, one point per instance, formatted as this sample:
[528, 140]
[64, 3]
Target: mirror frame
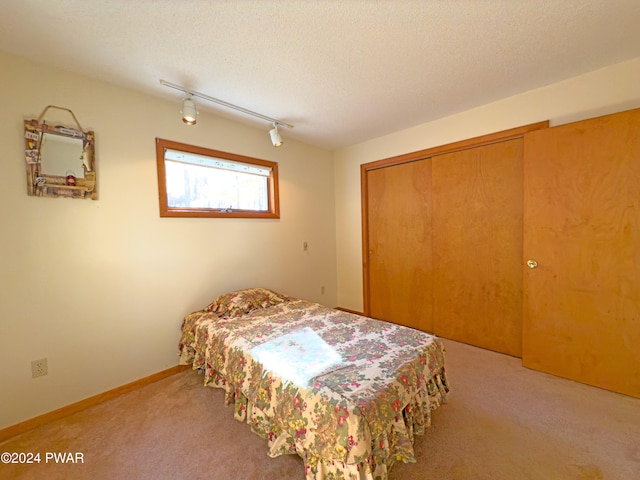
[40, 184]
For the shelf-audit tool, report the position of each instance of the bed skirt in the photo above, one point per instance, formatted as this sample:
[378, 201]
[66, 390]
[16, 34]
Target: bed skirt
[393, 444]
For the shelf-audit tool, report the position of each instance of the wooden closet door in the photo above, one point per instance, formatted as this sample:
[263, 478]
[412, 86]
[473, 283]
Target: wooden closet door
[399, 237]
[477, 246]
[582, 227]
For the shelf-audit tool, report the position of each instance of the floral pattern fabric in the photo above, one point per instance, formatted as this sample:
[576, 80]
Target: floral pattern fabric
[345, 392]
[241, 302]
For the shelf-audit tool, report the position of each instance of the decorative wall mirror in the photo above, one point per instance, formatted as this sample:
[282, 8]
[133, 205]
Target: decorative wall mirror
[60, 161]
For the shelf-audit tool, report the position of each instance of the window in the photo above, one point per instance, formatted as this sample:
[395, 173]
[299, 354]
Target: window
[198, 182]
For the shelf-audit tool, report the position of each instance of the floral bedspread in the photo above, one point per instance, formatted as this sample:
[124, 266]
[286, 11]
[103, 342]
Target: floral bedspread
[345, 392]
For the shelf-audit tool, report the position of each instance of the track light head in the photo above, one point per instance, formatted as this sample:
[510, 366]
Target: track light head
[276, 139]
[189, 111]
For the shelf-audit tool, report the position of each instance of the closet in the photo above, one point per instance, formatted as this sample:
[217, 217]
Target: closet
[477, 246]
[524, 242]
[399, 252]
[442, 239]
[582, 228]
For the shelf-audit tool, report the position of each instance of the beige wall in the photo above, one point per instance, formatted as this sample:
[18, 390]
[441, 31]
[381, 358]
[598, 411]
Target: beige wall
[100, 287]
[609, 90]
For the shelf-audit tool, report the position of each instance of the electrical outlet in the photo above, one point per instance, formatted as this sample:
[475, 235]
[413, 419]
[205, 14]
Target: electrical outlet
[322, 290]
[39, 368]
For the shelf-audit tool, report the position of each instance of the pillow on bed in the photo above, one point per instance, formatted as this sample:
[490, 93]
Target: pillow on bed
[241, 302]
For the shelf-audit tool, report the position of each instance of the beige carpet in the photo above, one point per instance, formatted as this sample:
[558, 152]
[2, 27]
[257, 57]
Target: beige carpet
[502, 422]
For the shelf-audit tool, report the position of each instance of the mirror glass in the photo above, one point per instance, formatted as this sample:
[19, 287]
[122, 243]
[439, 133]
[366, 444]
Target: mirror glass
[61, 155]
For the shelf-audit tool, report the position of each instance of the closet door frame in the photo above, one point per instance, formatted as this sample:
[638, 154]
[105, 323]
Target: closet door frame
[365, 168]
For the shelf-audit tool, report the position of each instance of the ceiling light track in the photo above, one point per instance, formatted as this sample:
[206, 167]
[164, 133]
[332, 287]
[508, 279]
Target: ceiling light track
[190, 107]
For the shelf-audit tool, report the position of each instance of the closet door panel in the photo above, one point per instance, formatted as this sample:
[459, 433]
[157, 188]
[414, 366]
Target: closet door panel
[582, 227]
[477, 246]
[399, 212]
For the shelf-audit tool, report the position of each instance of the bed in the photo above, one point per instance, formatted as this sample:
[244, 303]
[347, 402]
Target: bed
[345, 392]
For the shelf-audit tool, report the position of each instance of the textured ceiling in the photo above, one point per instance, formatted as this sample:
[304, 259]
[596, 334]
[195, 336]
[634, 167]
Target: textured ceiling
[342, 72]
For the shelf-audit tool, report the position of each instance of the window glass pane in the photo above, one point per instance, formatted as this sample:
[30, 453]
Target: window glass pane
[198, 186]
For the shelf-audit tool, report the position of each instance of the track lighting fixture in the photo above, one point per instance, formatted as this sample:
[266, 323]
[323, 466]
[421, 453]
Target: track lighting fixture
[276, 139]
[190, 111]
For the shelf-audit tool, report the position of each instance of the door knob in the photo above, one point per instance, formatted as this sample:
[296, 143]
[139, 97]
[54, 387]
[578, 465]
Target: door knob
[532, 263]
